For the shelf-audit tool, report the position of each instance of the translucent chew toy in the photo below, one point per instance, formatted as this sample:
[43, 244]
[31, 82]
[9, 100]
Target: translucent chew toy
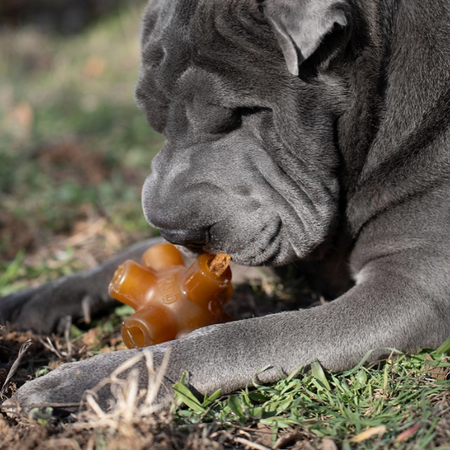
[170, 299]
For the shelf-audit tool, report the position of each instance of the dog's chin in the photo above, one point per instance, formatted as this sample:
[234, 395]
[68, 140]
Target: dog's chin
[242, 258]
[263, 258]
[273, 254]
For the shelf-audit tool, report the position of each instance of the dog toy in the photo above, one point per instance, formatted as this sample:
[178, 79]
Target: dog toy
[171, 299]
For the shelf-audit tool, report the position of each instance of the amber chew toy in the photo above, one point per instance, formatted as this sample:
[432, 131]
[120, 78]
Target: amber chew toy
[171, 299]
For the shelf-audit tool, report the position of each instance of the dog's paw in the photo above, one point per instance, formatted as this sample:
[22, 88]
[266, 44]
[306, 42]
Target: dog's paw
[46, 308]
[65, 388]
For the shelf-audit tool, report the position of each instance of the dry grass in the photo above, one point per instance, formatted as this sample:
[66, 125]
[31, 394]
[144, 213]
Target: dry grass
[402, 404]
[134, 419]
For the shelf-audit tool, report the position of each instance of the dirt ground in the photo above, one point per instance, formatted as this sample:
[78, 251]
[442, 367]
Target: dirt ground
[93, 430]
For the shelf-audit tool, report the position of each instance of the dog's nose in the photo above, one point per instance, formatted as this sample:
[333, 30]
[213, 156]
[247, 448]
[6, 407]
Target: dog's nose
[194, 239]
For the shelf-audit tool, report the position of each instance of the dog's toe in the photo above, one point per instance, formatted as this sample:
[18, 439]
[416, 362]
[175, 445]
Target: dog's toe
[65, 387]
[45, 308]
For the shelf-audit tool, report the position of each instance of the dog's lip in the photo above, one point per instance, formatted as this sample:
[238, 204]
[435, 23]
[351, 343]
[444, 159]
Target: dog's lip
[242, 256]
[193, 239]
[255, 260]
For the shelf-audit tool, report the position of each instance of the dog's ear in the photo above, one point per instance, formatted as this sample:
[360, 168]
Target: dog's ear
[301, 25]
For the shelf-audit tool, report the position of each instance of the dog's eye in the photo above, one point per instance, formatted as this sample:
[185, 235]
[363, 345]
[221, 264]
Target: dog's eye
[228, 120]
[216, 119]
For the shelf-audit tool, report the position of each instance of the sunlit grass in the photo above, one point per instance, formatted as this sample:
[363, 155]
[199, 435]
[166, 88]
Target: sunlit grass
[74, 147]
[388, 404]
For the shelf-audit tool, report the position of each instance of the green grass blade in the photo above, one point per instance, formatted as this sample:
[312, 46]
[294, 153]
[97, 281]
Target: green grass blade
[319, 374]
[183, 393]
[445, 347]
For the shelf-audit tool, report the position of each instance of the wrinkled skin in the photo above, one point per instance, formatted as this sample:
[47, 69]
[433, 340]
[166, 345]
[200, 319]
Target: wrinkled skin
[295, 130]
[249, 166]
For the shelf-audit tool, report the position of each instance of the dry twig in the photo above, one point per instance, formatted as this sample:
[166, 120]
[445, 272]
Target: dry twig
[219, 264]
[16, 364]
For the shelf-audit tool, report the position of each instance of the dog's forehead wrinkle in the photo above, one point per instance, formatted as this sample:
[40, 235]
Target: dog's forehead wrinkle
[185, 66]
[233, 24]
[165, 48]
[206, 38]
[206, 87]
[161, 26]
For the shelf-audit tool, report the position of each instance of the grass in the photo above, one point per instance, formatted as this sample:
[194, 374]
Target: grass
[400, 403]
[74, 151]
[74, 148]
[390, 404]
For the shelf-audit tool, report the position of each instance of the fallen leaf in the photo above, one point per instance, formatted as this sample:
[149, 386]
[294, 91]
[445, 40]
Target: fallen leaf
[327, 444]
[288, 438]
[106, 350]
[90, 338]
[438, 373]
[367, 434]
[408, 433]
[264, 434]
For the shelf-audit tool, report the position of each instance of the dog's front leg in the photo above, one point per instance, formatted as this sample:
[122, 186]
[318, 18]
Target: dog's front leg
[45, 308]
[400, 301]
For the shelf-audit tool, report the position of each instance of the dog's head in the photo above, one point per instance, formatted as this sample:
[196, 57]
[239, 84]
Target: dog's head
[249, 164]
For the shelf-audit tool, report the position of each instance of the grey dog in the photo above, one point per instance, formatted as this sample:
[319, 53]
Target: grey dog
[296, 129]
